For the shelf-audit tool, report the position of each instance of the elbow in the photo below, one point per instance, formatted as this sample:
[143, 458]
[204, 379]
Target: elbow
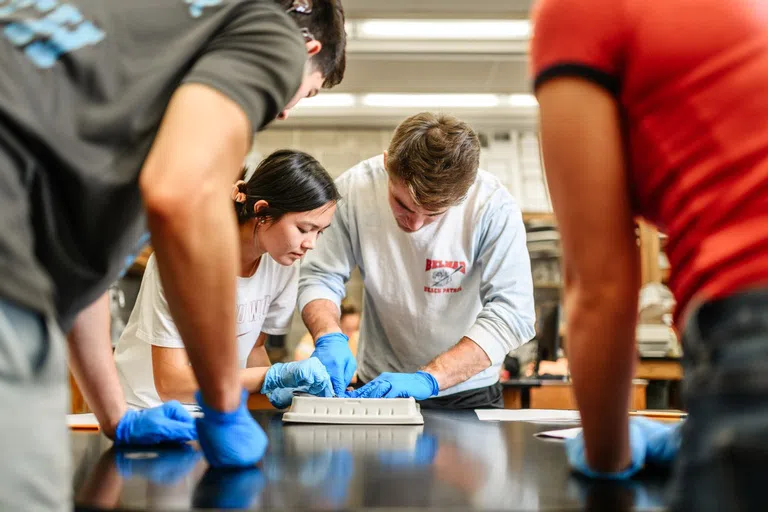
[166, 388]
[169, 203]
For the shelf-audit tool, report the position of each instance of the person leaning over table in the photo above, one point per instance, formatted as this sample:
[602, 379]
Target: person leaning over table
[447, 278]
[283, 207]
[116, 117]
[657, 109]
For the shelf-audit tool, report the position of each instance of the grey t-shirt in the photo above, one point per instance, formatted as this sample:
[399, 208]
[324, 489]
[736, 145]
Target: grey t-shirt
[83, 87]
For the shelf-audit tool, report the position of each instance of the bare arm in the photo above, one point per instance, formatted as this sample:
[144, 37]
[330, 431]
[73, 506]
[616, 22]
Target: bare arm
[175, 380]
[587, 177]
[257, 366]
[461, 362]
[92, 365]
[321, 317]
[185, 185]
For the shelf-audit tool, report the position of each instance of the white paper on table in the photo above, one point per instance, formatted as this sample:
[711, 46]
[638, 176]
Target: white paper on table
[563, 434]
[83, 421]
[529, 415]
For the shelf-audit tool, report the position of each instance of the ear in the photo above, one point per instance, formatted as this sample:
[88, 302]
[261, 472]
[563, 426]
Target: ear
[313, 47]
[385, 159]
[260, 205]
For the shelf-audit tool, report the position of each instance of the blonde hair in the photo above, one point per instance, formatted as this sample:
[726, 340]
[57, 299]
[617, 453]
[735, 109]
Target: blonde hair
[436, 156]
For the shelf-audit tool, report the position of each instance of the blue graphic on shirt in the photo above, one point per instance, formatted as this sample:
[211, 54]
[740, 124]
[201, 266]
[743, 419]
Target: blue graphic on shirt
[128, 261]
[61, 30]
[196, 6]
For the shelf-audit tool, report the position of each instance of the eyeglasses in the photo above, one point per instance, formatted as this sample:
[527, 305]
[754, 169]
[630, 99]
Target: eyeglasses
[303, 7]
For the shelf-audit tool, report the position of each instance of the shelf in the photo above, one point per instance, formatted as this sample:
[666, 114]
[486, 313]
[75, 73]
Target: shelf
[542, 216]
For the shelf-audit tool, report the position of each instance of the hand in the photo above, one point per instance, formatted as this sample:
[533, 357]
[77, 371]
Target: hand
[309, 376]
[333, 351]
[168, 423]
[574, 449]
[281, 398]
[166, 467]
[649, 441]
[662, 440]
[230, 439]
[419, 385]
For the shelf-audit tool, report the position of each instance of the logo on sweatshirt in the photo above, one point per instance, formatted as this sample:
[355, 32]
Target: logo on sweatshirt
[445, 276]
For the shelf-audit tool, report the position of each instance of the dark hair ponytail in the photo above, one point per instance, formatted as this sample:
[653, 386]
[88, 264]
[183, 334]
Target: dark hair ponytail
[289, 181]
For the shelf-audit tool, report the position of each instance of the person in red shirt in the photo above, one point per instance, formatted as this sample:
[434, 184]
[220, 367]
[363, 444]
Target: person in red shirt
[656, 109]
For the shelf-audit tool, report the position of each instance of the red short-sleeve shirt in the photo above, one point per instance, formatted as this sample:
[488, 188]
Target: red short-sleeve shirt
[691, 78]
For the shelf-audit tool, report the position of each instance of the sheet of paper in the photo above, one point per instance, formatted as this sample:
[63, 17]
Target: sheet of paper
[529, 415]
[86, 421]
[566, 433]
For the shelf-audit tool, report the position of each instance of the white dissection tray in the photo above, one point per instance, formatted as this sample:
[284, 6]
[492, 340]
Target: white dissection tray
[356, 438]
[360, 411]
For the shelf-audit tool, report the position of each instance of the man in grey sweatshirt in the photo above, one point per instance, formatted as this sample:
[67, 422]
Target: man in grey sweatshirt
[442, 250]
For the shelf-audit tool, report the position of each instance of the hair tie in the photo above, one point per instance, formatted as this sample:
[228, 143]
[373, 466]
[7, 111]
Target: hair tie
[238, 195]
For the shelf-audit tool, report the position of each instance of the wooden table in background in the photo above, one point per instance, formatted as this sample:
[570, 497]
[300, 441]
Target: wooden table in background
[554, 394]
[659, 368]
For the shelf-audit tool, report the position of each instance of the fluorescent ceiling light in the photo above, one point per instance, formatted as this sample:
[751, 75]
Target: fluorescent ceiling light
[522, 100]
[443, 29]
[328, 100]
[431, 100]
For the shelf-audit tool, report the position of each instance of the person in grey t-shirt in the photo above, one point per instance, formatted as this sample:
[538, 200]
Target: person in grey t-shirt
[110, 109]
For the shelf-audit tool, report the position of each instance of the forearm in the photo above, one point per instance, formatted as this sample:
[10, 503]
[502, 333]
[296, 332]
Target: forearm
[601, 355]
[92, 364]
[203, 308]
[181, 384]
[461, 362]
[321, 317]
[253, 378]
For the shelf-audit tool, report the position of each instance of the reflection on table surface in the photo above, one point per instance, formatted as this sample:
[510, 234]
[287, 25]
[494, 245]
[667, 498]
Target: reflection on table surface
[452, 461]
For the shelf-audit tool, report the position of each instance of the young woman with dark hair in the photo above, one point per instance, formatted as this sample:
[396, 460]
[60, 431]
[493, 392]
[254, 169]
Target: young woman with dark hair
[282, 208]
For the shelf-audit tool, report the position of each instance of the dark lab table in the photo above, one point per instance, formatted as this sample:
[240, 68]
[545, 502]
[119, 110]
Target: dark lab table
[452, 462]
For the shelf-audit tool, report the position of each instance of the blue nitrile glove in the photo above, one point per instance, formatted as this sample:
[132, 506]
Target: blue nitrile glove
[167, 466]
[281, 398]
[333, 351]
[419, 385]
[230, 439]
[574, 449]
[662, 440]
[229, 489]
[309, 375]
[168, 423]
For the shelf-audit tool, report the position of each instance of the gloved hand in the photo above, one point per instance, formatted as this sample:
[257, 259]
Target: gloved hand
[649, 441]
[333, 351]
[309, 376]
[419, 385]
[230, 439]
[662, 440]
[166, 467]
[168, 423]
[281, 398]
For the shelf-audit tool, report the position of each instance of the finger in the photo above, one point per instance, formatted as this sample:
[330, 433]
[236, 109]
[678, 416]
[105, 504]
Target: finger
[175, 411]
[180, 431]
[374, 389]
[338, 386]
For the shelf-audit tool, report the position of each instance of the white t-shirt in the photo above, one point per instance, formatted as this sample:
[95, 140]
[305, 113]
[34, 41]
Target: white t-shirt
[265, 303]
